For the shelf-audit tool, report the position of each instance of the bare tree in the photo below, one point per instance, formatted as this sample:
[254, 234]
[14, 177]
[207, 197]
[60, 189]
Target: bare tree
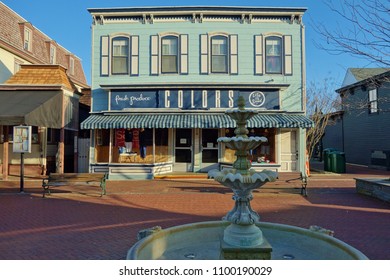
[322, 102]
[364, 33]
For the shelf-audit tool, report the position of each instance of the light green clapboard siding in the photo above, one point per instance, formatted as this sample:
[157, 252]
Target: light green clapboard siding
[291, 98]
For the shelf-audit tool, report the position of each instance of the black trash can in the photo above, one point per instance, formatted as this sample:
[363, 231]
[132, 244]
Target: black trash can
[337, 162]
[326, 157]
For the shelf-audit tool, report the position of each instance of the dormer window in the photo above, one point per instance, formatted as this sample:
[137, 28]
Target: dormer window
[52, 54]
[71, 65]
[27, 39]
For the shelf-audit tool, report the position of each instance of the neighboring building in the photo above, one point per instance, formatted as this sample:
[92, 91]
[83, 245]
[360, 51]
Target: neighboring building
[38, 80]
[168, 74]
[363, 126]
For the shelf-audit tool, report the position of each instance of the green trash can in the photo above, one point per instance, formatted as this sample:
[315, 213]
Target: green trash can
[326, 157]
[337, 162]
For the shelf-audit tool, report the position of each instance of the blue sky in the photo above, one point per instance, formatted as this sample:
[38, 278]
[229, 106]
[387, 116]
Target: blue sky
[68, 23]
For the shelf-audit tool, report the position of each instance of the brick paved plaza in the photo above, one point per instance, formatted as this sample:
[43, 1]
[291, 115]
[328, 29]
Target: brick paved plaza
[75, 223]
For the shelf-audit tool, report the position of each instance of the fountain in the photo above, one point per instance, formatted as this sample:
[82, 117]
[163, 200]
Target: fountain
[240, 234]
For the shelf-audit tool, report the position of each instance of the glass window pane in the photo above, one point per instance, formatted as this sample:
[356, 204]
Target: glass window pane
[273, 49]
[169, 57]
[183, 155]
[120, 55]
[169, 64]
[219, 46]
[219, 64]
[169, 46]
[219, 55]
[209, 156]
[119, 65]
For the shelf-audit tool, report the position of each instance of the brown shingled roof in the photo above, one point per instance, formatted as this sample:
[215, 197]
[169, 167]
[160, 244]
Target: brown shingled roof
[11, 39]
[34, 74]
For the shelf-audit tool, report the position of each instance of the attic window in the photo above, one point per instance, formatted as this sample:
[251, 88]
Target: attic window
[71, 65]
[27, 41]
[52, 54]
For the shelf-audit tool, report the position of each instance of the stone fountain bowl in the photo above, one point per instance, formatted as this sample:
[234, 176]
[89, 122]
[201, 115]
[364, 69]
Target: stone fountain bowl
[202, 241]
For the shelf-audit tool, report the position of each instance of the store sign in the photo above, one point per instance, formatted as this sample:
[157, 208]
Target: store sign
[193, 99]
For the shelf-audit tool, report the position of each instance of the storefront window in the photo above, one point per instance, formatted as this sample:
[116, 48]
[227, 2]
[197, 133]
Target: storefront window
[132, 146]
[265, 153]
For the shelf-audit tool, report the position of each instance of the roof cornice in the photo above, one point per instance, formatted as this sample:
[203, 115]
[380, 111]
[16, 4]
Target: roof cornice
[189, 10]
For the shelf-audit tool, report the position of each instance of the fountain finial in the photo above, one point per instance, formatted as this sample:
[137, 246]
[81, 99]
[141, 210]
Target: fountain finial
[241, 103]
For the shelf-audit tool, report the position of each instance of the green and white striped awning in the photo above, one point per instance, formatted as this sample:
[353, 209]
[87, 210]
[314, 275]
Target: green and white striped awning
[192, 120]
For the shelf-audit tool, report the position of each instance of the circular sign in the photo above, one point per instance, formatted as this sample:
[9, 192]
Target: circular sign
[257, 98]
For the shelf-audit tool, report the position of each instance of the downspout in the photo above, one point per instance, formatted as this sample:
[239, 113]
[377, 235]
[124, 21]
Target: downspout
[303, 56]
[303, 82]
[5, 152]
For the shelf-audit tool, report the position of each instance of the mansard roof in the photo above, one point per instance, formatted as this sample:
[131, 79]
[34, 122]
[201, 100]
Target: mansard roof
[11, 39]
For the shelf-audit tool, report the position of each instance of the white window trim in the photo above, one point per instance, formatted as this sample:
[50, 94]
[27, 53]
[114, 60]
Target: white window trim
[156, 53]
[111, 55]
[286, 54]
[27, 39]
[106, 54]
[206, 53]
[373, 100]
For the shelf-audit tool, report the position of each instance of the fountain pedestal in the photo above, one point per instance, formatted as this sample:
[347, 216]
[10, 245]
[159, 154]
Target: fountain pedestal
[260, 252]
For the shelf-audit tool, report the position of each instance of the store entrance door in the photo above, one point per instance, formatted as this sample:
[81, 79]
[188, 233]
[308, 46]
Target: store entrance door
[209, 149]
[183, 150]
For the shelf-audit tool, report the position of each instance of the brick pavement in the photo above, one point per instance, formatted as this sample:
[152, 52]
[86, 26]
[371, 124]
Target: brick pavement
[75, 223]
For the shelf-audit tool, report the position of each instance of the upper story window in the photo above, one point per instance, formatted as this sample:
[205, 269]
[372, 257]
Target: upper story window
[273, 55]
[27, 41]
[373, 101]
[17, 66]
[219, 54]
[52, 54]
[120, 55]
[71, 65]
[169, 54]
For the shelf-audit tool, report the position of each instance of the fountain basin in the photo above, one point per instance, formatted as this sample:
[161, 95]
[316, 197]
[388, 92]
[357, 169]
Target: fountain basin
[202, 241]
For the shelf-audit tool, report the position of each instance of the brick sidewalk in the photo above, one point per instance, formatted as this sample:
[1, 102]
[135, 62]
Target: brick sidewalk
[75, 223]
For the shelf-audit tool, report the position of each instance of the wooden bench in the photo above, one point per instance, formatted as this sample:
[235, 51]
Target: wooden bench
[66, 179]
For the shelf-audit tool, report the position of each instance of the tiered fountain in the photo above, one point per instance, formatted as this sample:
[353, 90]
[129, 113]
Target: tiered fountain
[240, 234]
[242, 238]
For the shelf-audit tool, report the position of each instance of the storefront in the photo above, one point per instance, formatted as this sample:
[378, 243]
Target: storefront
[177, 130]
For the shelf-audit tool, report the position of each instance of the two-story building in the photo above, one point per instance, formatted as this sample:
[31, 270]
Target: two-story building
[41, 84]
[361, 129]
[162, 78]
